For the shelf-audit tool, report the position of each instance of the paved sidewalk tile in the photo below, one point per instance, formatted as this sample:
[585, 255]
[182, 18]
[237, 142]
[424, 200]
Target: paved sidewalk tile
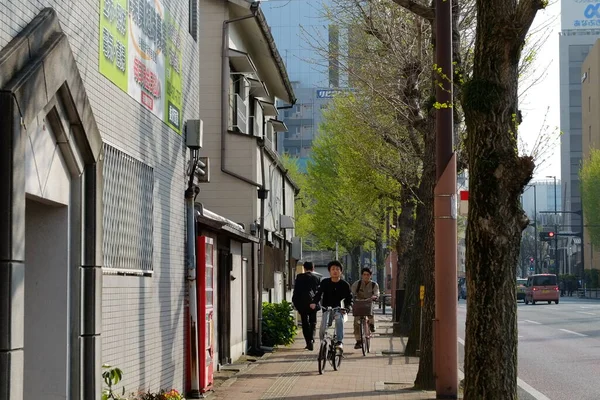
[291, 372]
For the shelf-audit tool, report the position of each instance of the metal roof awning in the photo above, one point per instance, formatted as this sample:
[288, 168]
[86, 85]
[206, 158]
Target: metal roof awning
[241, 62]
[269, 108]
[258, 88]
[221, 224]
[278, 126]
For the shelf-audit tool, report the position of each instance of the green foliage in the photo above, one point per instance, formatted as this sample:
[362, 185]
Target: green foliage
[278, 324]
[112, 376]
[592, 278]
[590, 181]
[354, 175]
[302, 202]
[161, 395]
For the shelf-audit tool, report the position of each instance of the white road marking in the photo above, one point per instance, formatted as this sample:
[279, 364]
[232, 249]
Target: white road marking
[537, 395]
[573, 333]
[533, 322]
[586, 313]
[529, 389]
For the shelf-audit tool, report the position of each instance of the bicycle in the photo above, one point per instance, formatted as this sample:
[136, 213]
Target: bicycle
[327, 350]
[364, 309]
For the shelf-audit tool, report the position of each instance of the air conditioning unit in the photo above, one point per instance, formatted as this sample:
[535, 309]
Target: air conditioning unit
[240, 112]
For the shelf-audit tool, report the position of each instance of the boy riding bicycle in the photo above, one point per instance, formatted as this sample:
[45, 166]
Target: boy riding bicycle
[332, 291]
[364, 289]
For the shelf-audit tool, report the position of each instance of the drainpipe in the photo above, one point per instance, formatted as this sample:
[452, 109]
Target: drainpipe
[225, 92]
[262, 195]
[190, 194]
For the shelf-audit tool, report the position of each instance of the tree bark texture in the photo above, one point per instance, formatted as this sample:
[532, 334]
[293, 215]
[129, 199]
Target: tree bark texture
[405, 271]
[497, 176]
[424, 252]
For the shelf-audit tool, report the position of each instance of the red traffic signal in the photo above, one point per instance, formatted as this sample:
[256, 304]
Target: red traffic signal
[546, 236]
[531, 260]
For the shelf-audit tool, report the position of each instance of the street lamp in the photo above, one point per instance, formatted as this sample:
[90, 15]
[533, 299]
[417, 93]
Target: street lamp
[555, 226]
[535, 235]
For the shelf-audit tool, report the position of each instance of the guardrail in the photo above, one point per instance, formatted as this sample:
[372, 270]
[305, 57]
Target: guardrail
[589, 293]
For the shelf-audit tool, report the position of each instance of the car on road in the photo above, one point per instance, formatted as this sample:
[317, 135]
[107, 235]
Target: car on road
[521, 288]
[542, 287]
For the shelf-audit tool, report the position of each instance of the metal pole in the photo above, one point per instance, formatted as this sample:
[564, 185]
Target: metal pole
[535, 259]
[445, 328]
[556, 268]
[194, 392]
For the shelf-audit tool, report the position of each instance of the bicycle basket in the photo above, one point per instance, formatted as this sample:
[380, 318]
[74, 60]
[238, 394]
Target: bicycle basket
[362, 308]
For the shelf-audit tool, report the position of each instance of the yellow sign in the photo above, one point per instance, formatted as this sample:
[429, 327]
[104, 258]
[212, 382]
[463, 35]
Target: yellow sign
[422, 292]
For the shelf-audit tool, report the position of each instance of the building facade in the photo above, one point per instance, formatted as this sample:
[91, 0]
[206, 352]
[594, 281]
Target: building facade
[96, 95]
[243, 77]
[579, 31]
[590, 91]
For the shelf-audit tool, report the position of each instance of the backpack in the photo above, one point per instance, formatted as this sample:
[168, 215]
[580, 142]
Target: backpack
[360, 283]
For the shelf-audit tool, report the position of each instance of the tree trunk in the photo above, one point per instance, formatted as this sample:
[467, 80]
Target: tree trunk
[497, 176]
[424, 235]
[380, 260]
[355, 257]
[405, 271]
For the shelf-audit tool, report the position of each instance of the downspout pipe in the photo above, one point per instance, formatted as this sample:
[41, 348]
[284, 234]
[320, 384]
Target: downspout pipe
[190, 195]
[263, 192]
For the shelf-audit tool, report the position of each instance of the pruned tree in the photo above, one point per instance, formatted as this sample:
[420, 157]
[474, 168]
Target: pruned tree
[497, 177]
[590, 182]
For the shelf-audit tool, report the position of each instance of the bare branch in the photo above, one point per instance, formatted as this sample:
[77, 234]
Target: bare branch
[418, 9]
[526, 11]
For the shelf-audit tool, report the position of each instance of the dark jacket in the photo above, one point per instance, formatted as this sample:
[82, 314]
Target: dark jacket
[305, 289]
[332, 293]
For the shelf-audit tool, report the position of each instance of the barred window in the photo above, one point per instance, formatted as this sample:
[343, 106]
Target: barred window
[128, 206]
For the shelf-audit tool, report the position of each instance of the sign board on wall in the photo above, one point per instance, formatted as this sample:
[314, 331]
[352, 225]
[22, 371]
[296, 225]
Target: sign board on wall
[580, 14]
[140, 52]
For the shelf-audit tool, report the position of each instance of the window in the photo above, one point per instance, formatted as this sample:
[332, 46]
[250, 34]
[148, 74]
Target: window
[575, 98]
[193, 25]
[544, 280]
[128, 208]
[575, 120]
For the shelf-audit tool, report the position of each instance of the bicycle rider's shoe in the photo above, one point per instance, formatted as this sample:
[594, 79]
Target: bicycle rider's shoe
[339, 346]
[358, 345]
[309, 346]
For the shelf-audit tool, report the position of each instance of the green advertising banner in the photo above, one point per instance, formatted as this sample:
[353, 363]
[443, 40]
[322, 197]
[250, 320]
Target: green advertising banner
[140, 52]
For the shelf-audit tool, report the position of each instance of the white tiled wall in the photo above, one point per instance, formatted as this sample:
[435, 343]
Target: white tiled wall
[143, 317]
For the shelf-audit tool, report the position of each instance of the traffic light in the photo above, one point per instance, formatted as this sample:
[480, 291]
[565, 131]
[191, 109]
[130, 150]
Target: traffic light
[547, 236]
[531, 264]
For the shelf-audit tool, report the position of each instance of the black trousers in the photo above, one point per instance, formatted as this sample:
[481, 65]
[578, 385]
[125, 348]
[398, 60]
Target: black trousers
[309, 324]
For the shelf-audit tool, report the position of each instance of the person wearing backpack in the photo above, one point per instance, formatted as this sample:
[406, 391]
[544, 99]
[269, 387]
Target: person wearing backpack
[305, 288]
[364, 289]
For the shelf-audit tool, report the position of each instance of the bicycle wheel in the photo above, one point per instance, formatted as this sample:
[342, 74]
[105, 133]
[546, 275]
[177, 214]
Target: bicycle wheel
[363, 339]
[322, 358]
[336, 358]
[367, 335]
[364, 327]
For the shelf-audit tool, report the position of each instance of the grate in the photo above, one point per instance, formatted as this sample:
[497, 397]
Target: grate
[128, 206]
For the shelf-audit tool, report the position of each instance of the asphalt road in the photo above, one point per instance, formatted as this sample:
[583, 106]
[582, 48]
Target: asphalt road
[559, 349]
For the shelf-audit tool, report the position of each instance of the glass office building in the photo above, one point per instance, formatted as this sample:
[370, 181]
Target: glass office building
[304, 35]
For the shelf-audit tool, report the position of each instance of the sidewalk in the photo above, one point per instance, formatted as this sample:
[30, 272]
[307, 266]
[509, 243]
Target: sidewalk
[291, 372]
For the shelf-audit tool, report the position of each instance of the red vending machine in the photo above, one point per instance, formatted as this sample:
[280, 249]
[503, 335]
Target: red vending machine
[205, 290]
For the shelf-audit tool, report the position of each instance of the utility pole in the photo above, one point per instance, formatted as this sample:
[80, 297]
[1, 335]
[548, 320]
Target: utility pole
[535, 237]
[445, 326]
[556, 269]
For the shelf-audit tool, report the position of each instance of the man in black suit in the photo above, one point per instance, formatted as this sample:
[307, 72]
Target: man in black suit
[305, 289]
